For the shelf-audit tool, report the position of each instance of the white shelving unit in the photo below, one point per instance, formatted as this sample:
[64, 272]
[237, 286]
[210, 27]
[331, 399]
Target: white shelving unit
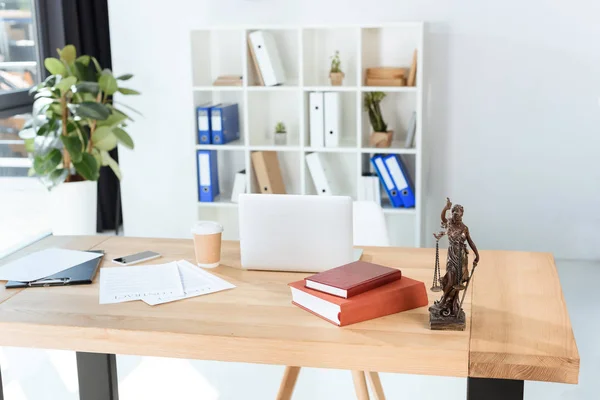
[306, 53]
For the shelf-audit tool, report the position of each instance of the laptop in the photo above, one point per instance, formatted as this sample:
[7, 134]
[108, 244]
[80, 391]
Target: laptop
[295, 232]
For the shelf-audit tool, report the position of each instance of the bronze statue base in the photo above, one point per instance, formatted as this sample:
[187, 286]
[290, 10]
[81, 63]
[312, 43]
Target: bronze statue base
[439, 322]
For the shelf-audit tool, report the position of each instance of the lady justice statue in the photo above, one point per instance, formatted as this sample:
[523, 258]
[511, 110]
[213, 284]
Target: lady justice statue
[447, 313]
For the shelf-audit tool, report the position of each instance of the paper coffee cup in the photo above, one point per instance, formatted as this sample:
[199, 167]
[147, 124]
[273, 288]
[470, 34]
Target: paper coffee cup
[207, 243]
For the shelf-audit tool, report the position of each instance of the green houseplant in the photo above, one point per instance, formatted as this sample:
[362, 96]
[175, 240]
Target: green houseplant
[75, 123]
[380, 137]
[280, 133]
[336, 75]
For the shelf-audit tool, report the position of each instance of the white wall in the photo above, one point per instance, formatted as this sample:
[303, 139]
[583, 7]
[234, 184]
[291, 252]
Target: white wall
[512, 118]
[511, 101]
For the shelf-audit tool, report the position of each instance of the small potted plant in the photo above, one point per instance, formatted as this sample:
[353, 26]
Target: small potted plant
[335, 73]
[380, 137]
[75, 123]
[280, 134]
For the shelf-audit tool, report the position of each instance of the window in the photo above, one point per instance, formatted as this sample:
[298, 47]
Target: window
[19, 71]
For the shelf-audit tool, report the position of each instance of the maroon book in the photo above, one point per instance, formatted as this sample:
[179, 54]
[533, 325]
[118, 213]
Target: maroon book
[352, 279]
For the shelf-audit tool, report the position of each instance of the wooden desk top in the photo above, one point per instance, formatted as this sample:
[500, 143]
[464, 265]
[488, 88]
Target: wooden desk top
[518, 326]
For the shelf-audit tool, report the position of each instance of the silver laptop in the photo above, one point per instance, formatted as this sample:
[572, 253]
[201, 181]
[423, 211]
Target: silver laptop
[294, 232]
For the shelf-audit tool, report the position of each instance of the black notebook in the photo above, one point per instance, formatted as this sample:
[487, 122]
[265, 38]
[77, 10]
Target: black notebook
[82, 274]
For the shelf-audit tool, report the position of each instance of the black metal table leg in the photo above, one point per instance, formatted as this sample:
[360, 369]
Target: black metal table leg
[97, 374]
[1, 388]
[494, 389]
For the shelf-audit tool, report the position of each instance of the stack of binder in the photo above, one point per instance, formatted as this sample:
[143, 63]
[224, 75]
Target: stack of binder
[208, 175]
[218, 123]
[395, 179]
[325, 119]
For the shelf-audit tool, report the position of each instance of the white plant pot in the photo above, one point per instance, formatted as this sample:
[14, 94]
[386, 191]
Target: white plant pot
[73, 208]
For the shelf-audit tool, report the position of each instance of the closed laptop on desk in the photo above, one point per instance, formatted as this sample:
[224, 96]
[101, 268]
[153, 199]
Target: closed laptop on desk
[295, 233]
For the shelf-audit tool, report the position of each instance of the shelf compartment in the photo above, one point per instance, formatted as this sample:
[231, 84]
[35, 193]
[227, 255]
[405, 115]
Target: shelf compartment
[229, 163]
[214, 97]
[209, 61]
[397, 109]
[266, 109]
[235, 145]
[319, 45]
[404, 89]
[289, 163]
[217, 88]
[288, 47]
[409, 162]
[390, 46]
[330, 88]
[348, 129]
[340, 168]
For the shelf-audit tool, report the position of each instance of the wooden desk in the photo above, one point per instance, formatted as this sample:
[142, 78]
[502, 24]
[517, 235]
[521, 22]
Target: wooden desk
[518, 327]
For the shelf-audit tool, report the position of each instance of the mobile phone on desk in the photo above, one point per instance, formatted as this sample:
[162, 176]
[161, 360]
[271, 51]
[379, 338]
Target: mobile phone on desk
[136, 258]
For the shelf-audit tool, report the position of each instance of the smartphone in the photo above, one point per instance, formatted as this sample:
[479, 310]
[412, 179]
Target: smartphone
[136, 258]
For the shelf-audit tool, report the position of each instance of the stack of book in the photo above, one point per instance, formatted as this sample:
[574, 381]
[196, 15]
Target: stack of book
[357, 292]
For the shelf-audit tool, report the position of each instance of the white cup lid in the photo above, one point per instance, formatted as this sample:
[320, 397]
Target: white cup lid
[207, 228]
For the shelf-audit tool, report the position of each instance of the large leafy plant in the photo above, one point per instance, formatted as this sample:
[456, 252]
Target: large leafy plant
[75, 120]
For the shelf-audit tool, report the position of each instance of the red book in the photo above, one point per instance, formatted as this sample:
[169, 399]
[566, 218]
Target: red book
[401, 295]
[352, 279]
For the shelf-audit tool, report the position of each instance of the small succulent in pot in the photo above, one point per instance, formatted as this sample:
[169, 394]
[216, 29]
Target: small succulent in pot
[336, 75]
[280, 134]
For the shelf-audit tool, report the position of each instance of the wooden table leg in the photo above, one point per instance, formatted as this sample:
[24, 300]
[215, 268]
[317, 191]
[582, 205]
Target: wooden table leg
[286, 388]
[360, 385]
[375, 382]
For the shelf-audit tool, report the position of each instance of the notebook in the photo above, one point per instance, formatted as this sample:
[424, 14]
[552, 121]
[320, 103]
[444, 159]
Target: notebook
[352, 279]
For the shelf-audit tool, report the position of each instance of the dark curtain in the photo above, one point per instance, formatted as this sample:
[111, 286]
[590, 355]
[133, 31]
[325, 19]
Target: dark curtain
[86, 27]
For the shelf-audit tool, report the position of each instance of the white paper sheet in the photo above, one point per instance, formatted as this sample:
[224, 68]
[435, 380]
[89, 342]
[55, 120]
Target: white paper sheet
[44, 263]
[196, 282]
[121, 284]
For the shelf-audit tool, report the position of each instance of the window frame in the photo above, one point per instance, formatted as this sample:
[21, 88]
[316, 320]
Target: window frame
[49, 35]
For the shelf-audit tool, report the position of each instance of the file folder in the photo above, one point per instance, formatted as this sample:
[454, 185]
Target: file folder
[82, 274]
[239, 185]
[268, 173]
[387, 181]
[203, 116]
[333, 119]
[401, 179]
[410, 132]
[208, 176]
[267, 57]
[316, 119]
[225, 123]
[317, 167]
[368, 189]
